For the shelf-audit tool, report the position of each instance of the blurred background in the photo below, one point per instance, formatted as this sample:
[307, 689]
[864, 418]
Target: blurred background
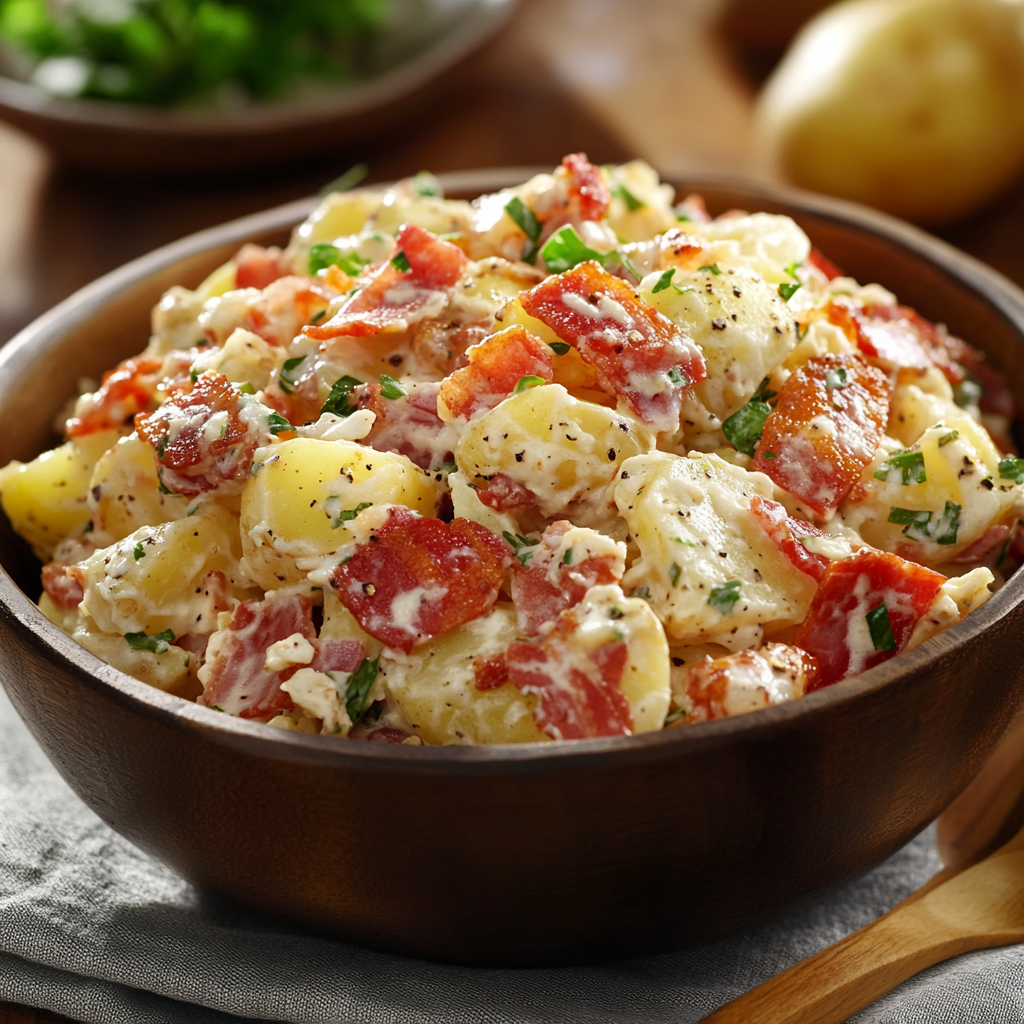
[672, 81]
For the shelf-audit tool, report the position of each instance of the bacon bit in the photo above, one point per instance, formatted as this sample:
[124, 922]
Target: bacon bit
[128, 389]
[545, 587]
[694, 208]
[588, 194]
[747, 680]
[337, 655]
[640, 356]
[257, 266]
[786, 533]
[681, 250]
[986, 543]
[504, 493]
[63, 585]
[490, 672]
[392, 299]
[818, 259]
[439, 346]
[578, 688]
[384, 734]
[836, 631]
[190, 462]
[285, 307]
[819, 466]
[417, 577]
[236, 678]
[409, 425]
[494, 368]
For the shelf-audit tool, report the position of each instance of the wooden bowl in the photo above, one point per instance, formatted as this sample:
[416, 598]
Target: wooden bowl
[539, 854]
[406, 67]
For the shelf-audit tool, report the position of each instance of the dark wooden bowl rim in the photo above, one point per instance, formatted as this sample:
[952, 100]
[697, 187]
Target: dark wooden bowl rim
[25, 618]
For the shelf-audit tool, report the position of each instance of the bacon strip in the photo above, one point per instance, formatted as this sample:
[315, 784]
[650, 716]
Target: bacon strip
[639, 355]
[258, 266]
[503, 494]
[63, 585]
[128, 389]
[410, 426]
[588, 194]
[417, 577]
[786, 533]
[493, 369]
[392, 299]
[826, 427]
[836, 630]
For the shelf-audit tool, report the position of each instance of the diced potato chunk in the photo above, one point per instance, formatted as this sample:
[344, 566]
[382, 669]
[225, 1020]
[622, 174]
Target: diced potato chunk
[567, 452]
[305, 491]
[707, 567]
[155, 579]
[166, 669]
[435, 687]
[47, 499]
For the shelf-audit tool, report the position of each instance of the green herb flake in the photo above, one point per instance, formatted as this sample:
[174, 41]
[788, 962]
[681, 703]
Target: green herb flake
[567, 557]
[400, 261]
[881, 628]
[524, 218]
[788, 289]
[390, 388]
[724, 596]
[288, 376]
[277, 424]
[621, 192]
[425, 184]
[357, 691]
[665, 281]
[449, 467]
[337, 401]
[674, 716]
[921, 525]
[685, 541]
[836, 378]
[565, 250]
[903, 468]
[140, 551]
[322, 256]
[348, 514]
[158, 643]
[522, 546]
[967, 393]
[193, 375]
[676, 376]
[953, 435]
[525, 383]
[674, 573]
[644, 593]
[246, 388]
[770, 455]
[560, 348]
[711, 268]
[1011, 468]
[743, 429]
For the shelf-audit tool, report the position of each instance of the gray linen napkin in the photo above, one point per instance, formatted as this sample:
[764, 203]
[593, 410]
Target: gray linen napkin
[92, 928]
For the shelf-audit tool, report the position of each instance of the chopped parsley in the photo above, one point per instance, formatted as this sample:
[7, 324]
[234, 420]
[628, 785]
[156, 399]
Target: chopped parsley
[567, 557]
[676, 376]
[140, 551]
[522, 546]
[903, 467]
[352, 263]
[953, 435]
[674, 573]
[157, 643]
[665, 281]
[711, 268]
[337, 401]
[277, 424]
[621, 192]
[836, 378]
[919, 525]
[744, 427]
[565, 250]
[425, 184]
[400, 261]
[288, 376]
[527, 223]
[322, 256]
[1011, 468]
[348, 514]
[560, 348]
[525, 383]
[644, 593]
[723, 597]
[686, 542]
[451, 466]
[881, 628]
[390, 388]
[357, 690]
[789, 288]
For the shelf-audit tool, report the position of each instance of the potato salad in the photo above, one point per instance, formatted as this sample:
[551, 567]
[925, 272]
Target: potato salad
[571, 460]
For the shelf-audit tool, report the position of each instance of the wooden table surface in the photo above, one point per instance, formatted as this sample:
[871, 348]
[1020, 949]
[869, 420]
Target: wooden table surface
[672, 81]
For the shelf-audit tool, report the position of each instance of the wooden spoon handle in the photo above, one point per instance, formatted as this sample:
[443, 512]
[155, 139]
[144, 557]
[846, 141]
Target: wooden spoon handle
[832, 985]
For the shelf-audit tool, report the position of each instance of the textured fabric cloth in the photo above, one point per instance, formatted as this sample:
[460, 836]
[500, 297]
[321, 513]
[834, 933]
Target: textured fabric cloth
[92, 928]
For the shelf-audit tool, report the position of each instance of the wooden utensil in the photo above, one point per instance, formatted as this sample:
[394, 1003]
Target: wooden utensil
[979, 907]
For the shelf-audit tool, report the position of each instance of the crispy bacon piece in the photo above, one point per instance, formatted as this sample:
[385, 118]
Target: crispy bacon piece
[258, 266]
[63, 585]
[490, 673]
[286, 306]
[578, 687]
[503, 494]
[417, 577]
[392, 299]
[826, 426]
[493, 369]
[337, 655]
[128, 389]
[201, 441]
[748, 680]
[545, 587]
[786, 533]
[640, 356]
[588, 194]
[410, 426]
[983, 545]
[845, 628]
[236, 678]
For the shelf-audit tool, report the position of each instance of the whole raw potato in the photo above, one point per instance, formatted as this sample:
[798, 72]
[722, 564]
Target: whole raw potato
[913, 106]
